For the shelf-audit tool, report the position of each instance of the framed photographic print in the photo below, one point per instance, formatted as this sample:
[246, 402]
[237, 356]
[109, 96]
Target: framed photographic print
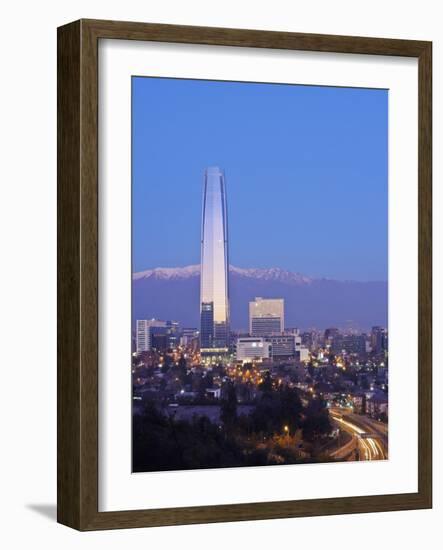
[244, 275]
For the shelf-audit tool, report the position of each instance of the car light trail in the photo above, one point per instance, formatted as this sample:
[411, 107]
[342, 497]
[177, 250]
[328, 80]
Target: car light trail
[370, 448]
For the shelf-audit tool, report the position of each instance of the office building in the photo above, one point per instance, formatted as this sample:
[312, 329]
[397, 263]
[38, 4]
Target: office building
[283, 345]
[331, 333]
[155, 334]
[249, 349]
[351, 344]
[189, 336]
[144, 331]
[266, 316]
[214, 277]
[378, 340]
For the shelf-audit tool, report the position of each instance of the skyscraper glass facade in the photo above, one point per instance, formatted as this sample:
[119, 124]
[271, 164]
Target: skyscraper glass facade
[214, 279]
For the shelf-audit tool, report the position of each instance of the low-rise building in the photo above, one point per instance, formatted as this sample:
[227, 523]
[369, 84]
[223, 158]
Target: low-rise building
[377, 406]
[214, 392]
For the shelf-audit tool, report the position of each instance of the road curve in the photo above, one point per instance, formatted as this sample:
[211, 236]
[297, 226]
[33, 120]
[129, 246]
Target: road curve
[370, 436]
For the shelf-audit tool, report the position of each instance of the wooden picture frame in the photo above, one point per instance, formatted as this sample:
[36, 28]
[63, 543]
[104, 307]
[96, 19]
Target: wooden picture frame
[78, 274]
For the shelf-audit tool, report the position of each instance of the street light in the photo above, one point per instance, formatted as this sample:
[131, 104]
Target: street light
[286, 430]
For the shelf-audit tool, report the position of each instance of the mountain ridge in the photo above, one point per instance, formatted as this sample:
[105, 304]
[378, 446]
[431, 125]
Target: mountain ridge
[272, 273]
[173, 293]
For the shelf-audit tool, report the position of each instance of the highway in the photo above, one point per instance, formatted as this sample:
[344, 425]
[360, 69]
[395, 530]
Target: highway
[369, 436]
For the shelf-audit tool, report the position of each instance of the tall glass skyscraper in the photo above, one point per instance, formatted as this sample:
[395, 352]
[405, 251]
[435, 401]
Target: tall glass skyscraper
[214, 277]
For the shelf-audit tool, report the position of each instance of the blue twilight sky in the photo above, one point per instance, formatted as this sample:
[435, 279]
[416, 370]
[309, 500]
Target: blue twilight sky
[306, 170]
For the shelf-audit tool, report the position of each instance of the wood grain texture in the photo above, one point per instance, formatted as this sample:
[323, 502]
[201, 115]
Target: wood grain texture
[68, 275]
[254, 38]
[77, 174]
[425, 273]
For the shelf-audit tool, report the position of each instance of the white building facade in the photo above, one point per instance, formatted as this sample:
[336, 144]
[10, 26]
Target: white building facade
[252, 348]
[143, 333]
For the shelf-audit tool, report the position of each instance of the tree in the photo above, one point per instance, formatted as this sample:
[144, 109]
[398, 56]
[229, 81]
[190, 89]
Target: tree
[311, 370]
[182, 370]
[363, 404]
[205, 382]
[365, 383]
[161, 442]
[276, 409]
[316, 426]
[266, 385]
[229, 406]
[167, 362]
[290, 408]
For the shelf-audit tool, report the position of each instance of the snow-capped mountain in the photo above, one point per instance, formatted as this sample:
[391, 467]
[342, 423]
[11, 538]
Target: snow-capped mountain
[169, 273]
[173, 293]
[271, 274]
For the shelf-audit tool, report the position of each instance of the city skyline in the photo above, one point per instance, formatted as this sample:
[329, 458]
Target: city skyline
[266, 315]
[324, 148]
[247, 384]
